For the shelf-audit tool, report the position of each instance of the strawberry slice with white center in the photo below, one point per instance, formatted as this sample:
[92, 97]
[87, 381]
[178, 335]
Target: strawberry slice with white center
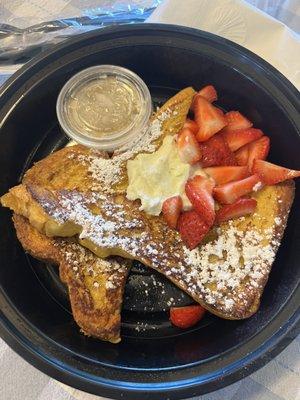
[235, 121]
[215, 151]
[242, 155]
[227, 174]
[270, 174]
[188, 147]
[199, 191]
[238, 209]
[192, 228]
[257, 150]
[237, 139]
[171, 210]
[209, 119]
[191, 125]
[230, 192]
[209, 93]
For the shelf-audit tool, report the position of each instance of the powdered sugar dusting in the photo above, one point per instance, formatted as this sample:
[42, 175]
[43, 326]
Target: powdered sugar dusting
[83, 261]
[257, 187]
[223, 272]
[277, 221]
[106, 172]
[240, 257]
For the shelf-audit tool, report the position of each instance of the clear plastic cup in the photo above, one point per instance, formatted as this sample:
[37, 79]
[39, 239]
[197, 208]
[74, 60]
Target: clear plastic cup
[105, 107]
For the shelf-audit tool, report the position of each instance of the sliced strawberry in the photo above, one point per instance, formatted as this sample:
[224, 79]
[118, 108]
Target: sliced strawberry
[208, 118]
[270, 174]
[220, 112]
[191, 125]
[242, 155]
[189, 148]
[209, 93]
[192, 228]
[258, 150]
[230, 192]
[238, 138]
[237, 209]
[186, 317]
[199, 192]
[235, 120]
[226, 174]
[215, 151]
[171, 210]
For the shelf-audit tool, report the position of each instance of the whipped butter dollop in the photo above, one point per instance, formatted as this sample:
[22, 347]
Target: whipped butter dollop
[155, 177]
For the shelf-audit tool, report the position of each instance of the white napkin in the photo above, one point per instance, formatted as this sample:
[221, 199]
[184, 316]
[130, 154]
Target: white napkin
[242, 23]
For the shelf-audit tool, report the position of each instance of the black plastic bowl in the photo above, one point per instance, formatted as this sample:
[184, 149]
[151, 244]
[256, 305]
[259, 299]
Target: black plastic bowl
[35, 319]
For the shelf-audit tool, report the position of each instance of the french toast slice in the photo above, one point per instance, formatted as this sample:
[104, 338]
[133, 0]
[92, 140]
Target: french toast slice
[226, 274]
[95, 285]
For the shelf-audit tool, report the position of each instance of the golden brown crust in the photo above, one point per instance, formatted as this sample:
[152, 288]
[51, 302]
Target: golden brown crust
[177, 107]
[285, 197]
[95, 307]
[66, 174]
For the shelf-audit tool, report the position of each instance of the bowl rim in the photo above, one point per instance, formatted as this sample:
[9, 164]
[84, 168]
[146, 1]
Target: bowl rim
[286, 329]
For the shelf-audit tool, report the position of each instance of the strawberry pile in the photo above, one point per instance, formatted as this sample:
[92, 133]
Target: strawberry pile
[232, 154]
